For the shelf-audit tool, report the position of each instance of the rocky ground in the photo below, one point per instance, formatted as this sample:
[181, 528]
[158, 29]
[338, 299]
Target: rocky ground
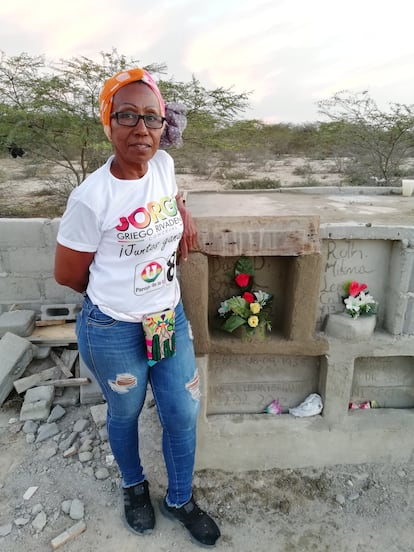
[70, 480]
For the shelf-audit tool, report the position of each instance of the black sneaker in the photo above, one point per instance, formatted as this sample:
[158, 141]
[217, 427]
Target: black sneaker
[138, 510]
[202, 527]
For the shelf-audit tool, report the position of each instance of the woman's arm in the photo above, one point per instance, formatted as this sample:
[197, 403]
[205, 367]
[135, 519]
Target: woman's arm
[72, 267]
[189, 239]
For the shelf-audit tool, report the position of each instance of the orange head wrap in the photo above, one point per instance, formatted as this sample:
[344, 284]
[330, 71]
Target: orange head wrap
[116, 82]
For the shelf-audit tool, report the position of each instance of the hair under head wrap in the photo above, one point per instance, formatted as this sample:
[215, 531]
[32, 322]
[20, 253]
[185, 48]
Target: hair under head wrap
[116, 82]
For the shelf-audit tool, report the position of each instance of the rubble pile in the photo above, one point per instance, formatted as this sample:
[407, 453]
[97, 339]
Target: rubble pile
[45, 381]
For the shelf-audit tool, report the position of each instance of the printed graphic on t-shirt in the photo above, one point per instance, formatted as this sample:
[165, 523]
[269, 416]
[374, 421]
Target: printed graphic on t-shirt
[151, 276]
[149, 231]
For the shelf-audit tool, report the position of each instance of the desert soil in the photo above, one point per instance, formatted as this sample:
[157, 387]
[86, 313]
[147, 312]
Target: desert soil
[342, 508]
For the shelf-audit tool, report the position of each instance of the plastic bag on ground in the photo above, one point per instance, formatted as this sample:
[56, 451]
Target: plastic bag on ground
[311, 406]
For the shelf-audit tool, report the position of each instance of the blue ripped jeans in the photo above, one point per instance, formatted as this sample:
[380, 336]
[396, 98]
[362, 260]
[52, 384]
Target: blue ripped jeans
[115, 353]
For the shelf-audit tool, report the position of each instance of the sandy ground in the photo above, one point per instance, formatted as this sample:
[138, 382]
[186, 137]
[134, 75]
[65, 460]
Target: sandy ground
[337, 509]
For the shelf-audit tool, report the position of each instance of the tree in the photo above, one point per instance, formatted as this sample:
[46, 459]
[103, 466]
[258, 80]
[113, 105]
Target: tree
[376, 142]
[51, 109]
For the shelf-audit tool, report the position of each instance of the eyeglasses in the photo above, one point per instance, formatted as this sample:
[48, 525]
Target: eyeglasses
[131, 119]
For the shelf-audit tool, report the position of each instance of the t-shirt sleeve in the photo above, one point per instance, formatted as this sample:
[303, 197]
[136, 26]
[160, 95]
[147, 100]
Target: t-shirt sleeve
[80, 228]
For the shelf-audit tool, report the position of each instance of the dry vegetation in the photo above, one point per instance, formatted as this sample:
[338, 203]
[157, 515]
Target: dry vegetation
[29, 189]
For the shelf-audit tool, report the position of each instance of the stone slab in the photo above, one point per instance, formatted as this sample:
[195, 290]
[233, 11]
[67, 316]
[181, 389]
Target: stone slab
[277, 236]
[19, 322]
[16, 354]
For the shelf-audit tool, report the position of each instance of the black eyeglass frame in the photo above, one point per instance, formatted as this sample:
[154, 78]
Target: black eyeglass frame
[159, 119]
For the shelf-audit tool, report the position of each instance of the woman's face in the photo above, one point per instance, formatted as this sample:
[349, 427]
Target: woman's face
[135, 146]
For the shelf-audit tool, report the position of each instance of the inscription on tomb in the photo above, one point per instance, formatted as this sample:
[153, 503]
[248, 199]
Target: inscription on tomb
[344, 260]
[387, 380]
[247, 384]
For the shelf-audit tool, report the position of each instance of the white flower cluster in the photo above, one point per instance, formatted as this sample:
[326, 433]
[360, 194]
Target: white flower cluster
[363, 303]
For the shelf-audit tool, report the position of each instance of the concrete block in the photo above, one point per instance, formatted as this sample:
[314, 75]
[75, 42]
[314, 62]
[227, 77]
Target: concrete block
[41, 393]
[37, 403]
[89, 394]
[31, 261]
[19, 322]
[15, 289]
[16, 354]
[343, 326]
[15, 232]
[38, 410]
[60, 312]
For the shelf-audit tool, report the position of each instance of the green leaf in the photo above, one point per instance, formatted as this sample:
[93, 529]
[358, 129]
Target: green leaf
[233, 323]
[239, 306]
[244, 266]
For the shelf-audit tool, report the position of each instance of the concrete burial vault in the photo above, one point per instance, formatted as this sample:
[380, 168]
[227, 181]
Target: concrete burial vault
[304, 247]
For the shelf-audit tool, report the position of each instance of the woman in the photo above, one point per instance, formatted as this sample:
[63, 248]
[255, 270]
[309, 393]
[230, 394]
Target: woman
[117, 244]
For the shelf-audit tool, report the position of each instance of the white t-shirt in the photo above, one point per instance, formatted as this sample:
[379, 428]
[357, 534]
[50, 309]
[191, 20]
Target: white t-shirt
[134, 228]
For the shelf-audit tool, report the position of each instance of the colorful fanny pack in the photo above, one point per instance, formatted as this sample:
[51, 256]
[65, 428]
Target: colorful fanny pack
[159, 330]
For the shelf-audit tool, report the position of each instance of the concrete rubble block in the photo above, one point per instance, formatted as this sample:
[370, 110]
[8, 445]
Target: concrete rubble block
[18, 322]
[98, 413]
[59, 312]
[46, 431]
[89, 394]
[81, 425]
[5, 529]
[57, 413]
[70, 396]
[16, 353]
[37, 403]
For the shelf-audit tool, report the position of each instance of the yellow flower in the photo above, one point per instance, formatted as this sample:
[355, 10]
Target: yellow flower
[253, 321]
[255, 308]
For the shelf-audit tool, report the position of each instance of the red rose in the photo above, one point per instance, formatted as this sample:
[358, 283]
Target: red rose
[249, 297]
[242, 280]
[355, 288]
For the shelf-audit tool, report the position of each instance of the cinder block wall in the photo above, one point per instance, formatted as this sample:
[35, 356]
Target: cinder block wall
[240, 378]
[27, 249]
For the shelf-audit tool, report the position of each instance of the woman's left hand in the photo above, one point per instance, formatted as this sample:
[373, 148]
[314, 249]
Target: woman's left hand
[189, 239]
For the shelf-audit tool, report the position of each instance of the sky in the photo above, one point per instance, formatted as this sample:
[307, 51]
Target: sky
[289, 54]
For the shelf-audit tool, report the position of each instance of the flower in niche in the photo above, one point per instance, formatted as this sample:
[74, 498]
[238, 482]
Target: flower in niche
[249, 297]
[359, 302]
[249, 310]
[242, 280]
[253, 321]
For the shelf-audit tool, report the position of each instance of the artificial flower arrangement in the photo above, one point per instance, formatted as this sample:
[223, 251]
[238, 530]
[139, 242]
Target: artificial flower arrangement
[249, 309]
[358, 302]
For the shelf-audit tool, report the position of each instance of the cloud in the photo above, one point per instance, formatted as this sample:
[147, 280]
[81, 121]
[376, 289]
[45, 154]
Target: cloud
[290, 53]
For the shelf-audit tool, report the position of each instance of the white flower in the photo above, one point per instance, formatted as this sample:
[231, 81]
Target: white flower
[362, 303]
[353, 305]
[262, 297]
[224, 308]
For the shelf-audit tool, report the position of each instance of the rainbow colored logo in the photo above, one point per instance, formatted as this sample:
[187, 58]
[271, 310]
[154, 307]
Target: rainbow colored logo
[151, 272]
